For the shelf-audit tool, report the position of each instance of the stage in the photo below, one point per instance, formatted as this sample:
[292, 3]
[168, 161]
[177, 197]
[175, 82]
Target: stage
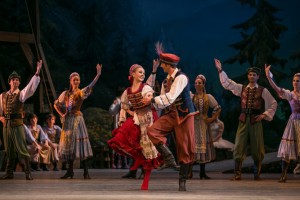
[107, 184]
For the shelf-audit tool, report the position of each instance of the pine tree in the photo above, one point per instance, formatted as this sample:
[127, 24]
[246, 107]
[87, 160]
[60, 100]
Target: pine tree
[260, 37]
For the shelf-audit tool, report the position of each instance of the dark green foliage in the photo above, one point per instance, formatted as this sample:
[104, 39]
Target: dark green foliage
[260, 37]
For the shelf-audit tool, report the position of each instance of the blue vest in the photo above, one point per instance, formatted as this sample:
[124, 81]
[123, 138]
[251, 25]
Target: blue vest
[183, 104]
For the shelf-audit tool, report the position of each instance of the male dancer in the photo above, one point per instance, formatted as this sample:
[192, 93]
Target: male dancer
[178, 116]
[257, 104]
[11, 115]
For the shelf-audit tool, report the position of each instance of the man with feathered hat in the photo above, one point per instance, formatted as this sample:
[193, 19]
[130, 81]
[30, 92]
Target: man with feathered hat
[11, 115]
[178, 115]
[257, 104]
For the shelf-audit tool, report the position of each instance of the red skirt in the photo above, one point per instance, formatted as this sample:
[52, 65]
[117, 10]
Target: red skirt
[126, 141]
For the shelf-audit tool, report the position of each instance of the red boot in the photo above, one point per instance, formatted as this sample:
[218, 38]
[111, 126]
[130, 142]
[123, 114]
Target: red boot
[145, 183]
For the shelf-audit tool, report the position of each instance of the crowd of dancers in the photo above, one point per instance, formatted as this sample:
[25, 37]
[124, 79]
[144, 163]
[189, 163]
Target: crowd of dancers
[144, 122]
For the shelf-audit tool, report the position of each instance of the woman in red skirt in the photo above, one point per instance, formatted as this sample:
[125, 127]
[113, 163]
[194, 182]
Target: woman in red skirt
[131, 137]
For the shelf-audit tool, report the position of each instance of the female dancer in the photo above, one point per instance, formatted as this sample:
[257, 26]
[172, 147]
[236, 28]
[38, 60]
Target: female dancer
[204, 149]
[289, 148]
[74, 140]
[131, 137]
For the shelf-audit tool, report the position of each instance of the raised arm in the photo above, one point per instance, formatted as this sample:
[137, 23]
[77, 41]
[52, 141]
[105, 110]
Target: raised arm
[151, 80]
[226, 82]
[271, 81]
[99, 69]
[31, 87]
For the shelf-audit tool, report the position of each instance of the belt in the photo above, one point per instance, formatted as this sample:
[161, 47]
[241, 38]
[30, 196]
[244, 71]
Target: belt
[14, 116]
[251, 111]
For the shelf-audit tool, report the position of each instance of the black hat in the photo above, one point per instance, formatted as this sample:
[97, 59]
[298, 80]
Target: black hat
[254, 69]
[14, 74]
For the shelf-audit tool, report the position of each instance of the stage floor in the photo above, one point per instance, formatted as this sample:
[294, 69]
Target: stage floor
[107, 184]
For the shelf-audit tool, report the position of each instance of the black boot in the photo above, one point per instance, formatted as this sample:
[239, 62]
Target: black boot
[142, 175]
[70, 172]
[25, 162]
[183, 176]
[35, 166]
[55, 166]
[202, 173]
[85, 170]
[284, 167]
[169, 160]
[257, 170]
[190, 174]
[130, 174]
[237, 171]
[64, 165]
[9, 169]
[44, 167]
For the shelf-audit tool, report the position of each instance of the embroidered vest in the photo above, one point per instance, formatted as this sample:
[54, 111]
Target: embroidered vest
[183, 104]
[13, 109]
[73, 102]
[252, 103]
[136, 98]
[201, 104]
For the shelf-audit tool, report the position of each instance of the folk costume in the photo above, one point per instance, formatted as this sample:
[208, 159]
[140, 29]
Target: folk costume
[204, 148]
[53, 134]
[178, 116]
[74, 140]
[254, 101]
[37, 157]
[289, 148]
[12, 108]
[131, 138]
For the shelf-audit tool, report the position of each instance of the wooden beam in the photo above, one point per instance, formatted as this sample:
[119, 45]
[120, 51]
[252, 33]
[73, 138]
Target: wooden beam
[16, 37]
[47, 72]
[28, 53]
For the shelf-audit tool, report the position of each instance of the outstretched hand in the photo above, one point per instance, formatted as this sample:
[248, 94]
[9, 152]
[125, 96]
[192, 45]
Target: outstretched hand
[267, 70]
[99, 68]
[218, 64]
[39, 65]
[156, 63]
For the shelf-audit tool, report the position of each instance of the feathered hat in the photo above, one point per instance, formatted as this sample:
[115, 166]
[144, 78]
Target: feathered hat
[167, 58]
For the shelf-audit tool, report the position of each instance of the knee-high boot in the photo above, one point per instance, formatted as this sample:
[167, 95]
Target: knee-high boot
[70, 172]
[9, 169]
[85, 169]
[284, 167]
[55, 166]
[145, 183]
[190, 175]
[202, 174]
[26, 165]
[169, 160]
[133, 170]
[237, 171]
[183, 176]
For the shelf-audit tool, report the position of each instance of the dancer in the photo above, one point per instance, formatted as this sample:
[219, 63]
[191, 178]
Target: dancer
[11, 115]
[204, 148]
[53, 132]
[117, 161]
[289, 148]
[131, 137]
[217, 129]
[178, 116]
[257, 104]
[39, 157]
[74, 140]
